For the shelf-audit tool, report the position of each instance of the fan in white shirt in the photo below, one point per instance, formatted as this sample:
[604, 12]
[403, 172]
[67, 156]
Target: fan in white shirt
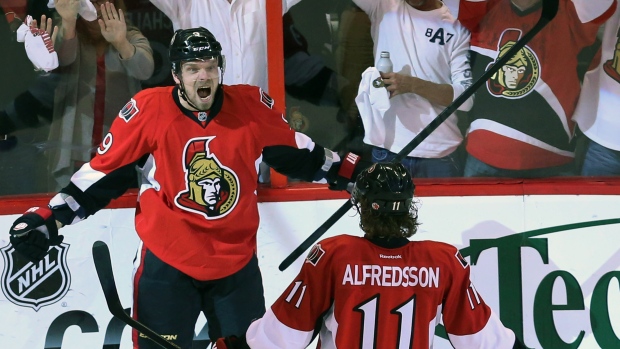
[429, 51]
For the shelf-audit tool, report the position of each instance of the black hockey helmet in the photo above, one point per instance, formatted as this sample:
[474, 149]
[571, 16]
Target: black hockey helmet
[194, 44]
[387, 186]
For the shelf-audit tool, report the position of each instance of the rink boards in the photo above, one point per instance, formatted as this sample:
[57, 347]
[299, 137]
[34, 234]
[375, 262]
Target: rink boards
[548, 264]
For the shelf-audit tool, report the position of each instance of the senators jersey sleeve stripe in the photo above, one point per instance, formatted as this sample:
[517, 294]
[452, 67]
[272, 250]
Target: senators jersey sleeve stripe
[197, 208]
[367, 296]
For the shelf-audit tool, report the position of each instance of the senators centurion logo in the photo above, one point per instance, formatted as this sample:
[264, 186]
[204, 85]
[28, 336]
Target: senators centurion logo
[35, 285]
[212, 189]
[520, 74]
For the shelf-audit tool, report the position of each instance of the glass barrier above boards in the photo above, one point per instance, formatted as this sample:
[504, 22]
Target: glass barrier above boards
[477, 91]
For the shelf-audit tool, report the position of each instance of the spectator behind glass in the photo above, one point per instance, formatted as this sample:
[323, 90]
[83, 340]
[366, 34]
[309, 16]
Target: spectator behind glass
[26, 98]
[599, 103]
[521, 121]
[102, 64]
[305, 75]
[354, 53]
[336, 36]
[429, 51]
[241, 26]
[157, 28]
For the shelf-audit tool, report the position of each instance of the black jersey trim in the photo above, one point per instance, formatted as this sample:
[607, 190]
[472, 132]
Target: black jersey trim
[218, 101]
[390, 243]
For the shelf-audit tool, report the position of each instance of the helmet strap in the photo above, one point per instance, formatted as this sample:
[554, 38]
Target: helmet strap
[222, 68]
[185, 98]
[184, 94]
[177, 73]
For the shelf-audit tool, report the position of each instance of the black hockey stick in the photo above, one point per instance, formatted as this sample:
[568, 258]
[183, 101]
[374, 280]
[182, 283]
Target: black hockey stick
[103, 264]
[549, 10]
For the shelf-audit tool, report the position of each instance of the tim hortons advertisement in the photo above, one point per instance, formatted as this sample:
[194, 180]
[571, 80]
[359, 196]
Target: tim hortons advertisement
[548, 265]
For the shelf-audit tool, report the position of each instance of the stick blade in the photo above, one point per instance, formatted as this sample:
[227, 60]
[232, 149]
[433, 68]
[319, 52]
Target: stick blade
[103, 265]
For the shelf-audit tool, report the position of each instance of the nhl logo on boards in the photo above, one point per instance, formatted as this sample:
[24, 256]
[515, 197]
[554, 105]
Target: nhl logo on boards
[35, 285]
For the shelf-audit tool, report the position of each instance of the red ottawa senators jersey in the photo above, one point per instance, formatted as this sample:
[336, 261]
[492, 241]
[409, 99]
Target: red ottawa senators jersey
[366, 296]
[197, 208]
[522, 116]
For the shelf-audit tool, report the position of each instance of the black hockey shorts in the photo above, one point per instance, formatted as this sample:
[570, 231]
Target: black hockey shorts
[169, 302]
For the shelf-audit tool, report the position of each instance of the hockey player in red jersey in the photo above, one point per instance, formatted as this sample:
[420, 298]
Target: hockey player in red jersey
[197, 146]
[380, 290]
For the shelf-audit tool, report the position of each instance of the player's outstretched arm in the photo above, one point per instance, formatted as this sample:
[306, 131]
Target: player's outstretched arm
[319, 165]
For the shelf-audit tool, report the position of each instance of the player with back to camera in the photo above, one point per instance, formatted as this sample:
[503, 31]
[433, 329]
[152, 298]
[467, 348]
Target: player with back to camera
[381, 290]
[197, 146]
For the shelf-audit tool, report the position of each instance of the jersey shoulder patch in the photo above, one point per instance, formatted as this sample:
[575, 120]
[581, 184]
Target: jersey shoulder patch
[334, 243]
[316, 253]
[144, 97]
[266, 99]
[129, 110]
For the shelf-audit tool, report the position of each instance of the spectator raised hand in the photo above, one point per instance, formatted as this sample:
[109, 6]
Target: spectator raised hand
[67, 9]
[114, 29]
[39, 43]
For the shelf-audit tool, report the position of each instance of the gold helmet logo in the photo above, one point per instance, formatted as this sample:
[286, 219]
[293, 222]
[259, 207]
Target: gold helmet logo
[212, 189]
[520, 74]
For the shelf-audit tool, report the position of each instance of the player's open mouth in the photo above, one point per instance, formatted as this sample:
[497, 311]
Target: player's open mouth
[204, 92]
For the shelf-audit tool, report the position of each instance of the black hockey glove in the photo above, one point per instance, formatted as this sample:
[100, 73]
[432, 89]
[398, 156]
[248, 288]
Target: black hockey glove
[231, 342]
[343, 173]
[34, 232]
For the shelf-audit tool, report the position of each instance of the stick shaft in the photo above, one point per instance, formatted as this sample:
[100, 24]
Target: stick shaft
[549, 10]
[310, 240]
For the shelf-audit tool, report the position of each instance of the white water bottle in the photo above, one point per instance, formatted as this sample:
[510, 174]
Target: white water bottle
[384, 64]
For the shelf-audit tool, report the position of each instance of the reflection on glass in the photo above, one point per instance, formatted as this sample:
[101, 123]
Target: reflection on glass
[102, 65]
[550, 111]
[530, 120]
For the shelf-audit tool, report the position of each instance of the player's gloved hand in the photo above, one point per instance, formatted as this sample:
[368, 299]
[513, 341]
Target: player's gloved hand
[34, 232]
[231, 342]
[343, 173]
